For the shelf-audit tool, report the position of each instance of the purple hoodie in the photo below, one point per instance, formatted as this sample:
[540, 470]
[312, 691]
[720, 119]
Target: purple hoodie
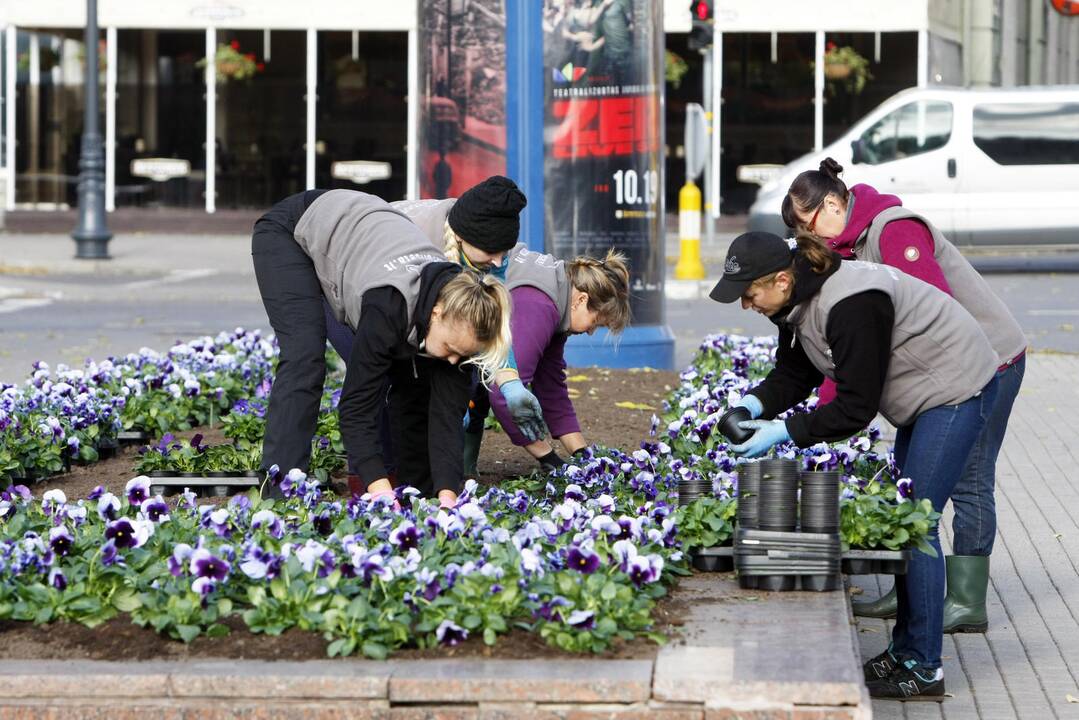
[904, 244]
[539, 344]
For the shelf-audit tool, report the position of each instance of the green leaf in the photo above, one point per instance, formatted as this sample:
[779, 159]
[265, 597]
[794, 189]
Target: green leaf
[489, 636]
[217, 630]
[374, 650]
[188, 633]
[472, 621]
[610, 590]
[126, 601]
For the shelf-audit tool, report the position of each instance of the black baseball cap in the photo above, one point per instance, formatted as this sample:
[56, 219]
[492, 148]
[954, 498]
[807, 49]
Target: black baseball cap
[751, 255]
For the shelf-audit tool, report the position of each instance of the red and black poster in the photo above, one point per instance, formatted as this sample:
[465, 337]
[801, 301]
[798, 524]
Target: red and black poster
[462, 68]
[603, 136]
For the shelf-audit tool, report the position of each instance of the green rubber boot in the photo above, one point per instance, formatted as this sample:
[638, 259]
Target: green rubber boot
[473, 440]
[884, 607]
[964, 606]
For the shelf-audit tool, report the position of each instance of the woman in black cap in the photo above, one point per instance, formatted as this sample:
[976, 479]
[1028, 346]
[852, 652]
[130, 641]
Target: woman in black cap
[476, 231]
[891, 344]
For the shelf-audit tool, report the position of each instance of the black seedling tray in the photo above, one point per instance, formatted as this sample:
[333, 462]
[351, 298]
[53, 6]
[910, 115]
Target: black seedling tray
[876, 562]
[220, 484]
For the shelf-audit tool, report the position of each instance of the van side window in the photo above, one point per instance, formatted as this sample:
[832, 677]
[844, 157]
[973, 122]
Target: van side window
[913, 129]
[1028, 133]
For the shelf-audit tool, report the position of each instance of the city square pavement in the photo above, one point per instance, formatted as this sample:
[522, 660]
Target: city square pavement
[160, 288]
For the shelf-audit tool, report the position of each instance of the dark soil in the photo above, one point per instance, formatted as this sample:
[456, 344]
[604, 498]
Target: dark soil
[596, 393]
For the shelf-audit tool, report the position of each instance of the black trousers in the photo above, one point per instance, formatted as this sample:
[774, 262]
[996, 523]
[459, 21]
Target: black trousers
[292, 297]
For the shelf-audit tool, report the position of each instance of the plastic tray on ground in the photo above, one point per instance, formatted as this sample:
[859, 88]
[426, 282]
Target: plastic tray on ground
[875, 562]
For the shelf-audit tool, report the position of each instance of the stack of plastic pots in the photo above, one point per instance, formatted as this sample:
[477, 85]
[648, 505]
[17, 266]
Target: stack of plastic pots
[820, 514]
[749, 488]
[693, 489]
[771, 551]
[778, 511]
[778, 507]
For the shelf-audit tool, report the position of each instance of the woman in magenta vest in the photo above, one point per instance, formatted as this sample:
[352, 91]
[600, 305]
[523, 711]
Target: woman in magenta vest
[864, 224]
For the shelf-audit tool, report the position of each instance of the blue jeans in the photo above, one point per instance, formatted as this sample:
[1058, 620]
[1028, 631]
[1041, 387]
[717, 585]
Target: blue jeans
[975, 525]
[932, 452]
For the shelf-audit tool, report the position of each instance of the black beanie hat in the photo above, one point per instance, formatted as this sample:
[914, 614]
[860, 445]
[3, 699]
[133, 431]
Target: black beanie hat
[486, 215]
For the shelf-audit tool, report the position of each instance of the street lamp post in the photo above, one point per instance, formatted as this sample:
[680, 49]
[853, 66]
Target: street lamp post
[92, 234]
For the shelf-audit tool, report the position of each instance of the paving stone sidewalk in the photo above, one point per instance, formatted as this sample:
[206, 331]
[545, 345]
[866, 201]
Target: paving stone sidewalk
[1027, 665]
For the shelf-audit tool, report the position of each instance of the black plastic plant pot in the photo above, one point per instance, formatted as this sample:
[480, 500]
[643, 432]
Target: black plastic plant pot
[106, 447]
[232, 474]
[728, 425]
[822, 583]
[777, 583]
[748, 582]
[132, 437]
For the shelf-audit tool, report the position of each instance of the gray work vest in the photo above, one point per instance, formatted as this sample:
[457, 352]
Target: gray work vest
[968, 287]
[357, 242]
[939, 354]
[429, 216]
[546, 273]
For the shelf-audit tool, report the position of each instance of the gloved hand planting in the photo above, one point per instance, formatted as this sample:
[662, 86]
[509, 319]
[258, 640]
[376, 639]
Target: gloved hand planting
[751, 403]
[551, 461]
[525, 409]
[766, 434]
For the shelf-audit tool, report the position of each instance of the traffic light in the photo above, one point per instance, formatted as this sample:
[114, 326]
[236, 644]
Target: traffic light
[700, 36]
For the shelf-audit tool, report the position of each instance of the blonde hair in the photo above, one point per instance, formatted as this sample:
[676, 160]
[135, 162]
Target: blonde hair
[451, 244]
[606, 282]
[480, 303]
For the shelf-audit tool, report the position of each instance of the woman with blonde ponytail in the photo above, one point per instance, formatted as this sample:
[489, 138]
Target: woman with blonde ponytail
[416, 319]
[552, 300]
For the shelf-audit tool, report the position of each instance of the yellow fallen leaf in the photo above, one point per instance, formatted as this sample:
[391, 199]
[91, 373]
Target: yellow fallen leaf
[626, 405]
[1071, 698]
[1058, 535]
[578, 378]
[573, 393]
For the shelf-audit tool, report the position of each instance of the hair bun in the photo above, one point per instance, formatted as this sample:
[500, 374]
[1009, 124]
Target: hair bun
[830, 167]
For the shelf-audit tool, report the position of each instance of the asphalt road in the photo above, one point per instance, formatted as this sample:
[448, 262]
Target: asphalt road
[63, 314]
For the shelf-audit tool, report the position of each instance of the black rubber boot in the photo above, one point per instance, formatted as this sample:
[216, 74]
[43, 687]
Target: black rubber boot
[473, 440]
[884, 607]
[964, 606]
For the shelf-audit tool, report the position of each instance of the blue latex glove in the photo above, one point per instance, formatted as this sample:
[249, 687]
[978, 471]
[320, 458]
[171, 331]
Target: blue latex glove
[751, 403]
[766, 434]
[525, 409]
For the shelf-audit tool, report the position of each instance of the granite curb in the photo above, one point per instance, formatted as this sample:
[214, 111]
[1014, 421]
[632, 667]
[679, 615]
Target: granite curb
[734, 660]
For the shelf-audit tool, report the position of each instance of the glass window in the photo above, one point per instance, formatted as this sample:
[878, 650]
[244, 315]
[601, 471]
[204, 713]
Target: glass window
[362, 117]
[1028, 133]
[261, 117]
[49, 112]
[913, 129]
[160, 119]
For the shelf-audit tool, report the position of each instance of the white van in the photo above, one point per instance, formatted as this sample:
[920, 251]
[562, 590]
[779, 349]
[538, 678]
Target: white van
[986, 166]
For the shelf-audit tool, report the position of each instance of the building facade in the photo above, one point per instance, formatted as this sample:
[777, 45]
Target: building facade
[236, 103]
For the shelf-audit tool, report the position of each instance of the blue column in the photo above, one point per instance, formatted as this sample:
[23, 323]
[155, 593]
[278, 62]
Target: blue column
[524, 112]
[643, 345]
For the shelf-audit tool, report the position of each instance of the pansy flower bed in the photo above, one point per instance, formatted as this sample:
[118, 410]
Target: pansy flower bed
[578, 557]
